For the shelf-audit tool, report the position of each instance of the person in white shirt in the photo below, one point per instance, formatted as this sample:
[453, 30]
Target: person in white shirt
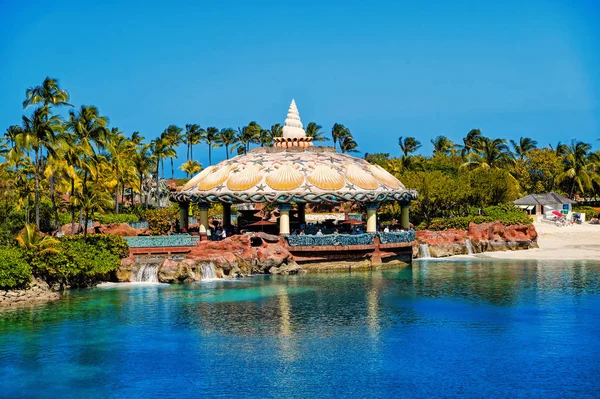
[319, 233]
[386, 230]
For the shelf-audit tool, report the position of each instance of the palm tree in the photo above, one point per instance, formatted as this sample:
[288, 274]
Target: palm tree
[348, 144]
[226, 138]
[490, 154]
[143, 162]
[265, 138]
[578, 168]
[48, 93]
[408, 145]
[338, 133]
[137, 138]
[247, 135]
[38, 132]
[173, 137]
[469, 142]
[524, 145]
[442, 145]
[89, 130]
[313, 130]
[192, 138]
[211, 138]
[119, 151]
[191, 167]
[30, 239]
[560, 149]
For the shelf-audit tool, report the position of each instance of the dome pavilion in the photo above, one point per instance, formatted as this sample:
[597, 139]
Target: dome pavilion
[293, 172]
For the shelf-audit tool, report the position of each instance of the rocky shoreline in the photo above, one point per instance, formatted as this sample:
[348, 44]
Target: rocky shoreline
[235, 256]
[485, 237]
[37, 292]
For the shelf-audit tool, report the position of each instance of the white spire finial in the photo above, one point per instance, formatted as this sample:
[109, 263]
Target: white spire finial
[292, 127]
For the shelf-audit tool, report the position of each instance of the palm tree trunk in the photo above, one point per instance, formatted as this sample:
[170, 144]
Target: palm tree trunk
[37, 189]
[227, 150]
[163, 168]
[209, 156]
[191, 152]
[72, 206]
[172, 170]
[53, 199]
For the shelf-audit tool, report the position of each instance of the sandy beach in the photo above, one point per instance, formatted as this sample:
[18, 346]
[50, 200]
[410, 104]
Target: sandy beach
[576, 242]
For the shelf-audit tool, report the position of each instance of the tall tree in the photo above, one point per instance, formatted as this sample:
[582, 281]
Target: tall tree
[313, 130]
[38, 132]
[442, 145]
[173, 137]
[408, 145]
[48, 93]
[227, 137]
[211, 138]
[192, 138]
[577, 168]
[523, 146]
[490, 154]
[338, 133]
[469, 142]
[348, 144]
[191, 167]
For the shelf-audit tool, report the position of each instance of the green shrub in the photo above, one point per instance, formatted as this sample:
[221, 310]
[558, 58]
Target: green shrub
[160, 221]
[109, 218]
[506, 214]
[15, 272]
[81, 262]
[589, 211]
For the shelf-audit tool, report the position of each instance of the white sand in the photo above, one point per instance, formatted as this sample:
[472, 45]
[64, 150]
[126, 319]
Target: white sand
[575, 242]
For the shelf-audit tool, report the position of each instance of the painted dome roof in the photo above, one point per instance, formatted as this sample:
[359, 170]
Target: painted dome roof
[283, 175]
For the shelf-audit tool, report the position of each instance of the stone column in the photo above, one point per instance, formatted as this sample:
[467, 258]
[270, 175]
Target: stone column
[203, 222]
[284, 219]
[302, 213]
[184, 216]
[227, 216]
[372, 217]
[404, 217]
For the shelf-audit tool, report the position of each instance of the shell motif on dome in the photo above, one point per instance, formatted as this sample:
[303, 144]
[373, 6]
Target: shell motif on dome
[215, 178]
[358, 176]
[244, 179]
[284, 178]
[326, 178]
[385, 177]
[198, 178]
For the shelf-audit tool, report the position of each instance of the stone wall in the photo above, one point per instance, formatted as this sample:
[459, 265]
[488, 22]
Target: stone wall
[484, 237]
[38, 291]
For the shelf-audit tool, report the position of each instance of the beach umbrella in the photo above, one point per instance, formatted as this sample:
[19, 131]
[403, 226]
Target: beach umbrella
[262, 224]
[557, 213]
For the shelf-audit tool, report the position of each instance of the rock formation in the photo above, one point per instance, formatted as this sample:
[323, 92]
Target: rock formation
[484, 237]
[235, 256]
[37, 291]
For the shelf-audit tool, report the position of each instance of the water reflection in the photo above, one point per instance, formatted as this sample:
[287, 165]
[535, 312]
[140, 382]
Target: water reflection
[464, 314]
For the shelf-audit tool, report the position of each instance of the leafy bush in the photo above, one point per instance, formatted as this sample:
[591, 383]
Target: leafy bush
[15, 272]
[462, 223]
[81, 261]
[109, 218]
[589, 211]
[160, 221]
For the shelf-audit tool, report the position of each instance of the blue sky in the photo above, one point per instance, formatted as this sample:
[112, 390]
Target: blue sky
[384, 69]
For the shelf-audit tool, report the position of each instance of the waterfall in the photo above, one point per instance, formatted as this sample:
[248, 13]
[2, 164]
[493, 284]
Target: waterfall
[148, 271]
[469, 246]
[208, 271]
[424, 251]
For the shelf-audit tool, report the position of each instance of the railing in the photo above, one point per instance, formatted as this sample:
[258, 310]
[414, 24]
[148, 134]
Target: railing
[343, 240]
[176, 240]
[396, 237]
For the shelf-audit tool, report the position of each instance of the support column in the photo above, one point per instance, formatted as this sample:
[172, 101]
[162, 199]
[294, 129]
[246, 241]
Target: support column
[184, 217]
[404, 216]
[227, 217]
[372, 217]
[302, 213]
[203, 222]
[284, 219]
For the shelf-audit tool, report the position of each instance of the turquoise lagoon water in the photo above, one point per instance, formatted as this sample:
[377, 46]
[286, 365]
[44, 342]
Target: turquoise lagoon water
[451, 329]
